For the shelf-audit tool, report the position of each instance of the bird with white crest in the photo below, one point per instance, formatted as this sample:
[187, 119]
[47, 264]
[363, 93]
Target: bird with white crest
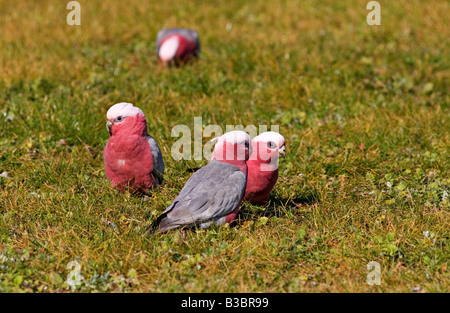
[132, 157]
[214, 193]
[175, 46]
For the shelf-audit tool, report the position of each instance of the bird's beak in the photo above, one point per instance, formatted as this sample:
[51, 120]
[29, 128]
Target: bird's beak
[282, 151]
[109, 126]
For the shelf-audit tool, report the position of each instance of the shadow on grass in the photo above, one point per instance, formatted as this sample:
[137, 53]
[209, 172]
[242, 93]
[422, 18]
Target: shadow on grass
[279, 206]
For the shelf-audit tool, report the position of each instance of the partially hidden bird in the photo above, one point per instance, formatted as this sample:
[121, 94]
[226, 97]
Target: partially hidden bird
[132, 157]
[263, 166]
[214, 193]
[176, 46]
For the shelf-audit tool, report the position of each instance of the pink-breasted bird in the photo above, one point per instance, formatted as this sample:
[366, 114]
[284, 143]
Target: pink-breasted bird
[263, 166]
[214, 193]
[177, 45]
[132, 157]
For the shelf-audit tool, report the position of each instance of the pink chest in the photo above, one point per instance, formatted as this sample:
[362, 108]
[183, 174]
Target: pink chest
[260, 181]
[129, 162]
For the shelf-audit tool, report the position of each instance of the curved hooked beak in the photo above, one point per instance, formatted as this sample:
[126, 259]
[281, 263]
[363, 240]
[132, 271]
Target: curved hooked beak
[109, 126]
[282, 151]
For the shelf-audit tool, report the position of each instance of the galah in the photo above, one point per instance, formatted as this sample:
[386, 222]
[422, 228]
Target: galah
[263, 166]
[132, 157]
[214, 193]
[177, 45]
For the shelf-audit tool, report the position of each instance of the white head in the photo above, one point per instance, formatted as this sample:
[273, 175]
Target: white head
[122, 109]
[268, 147]
[235, 136]
[118, 112]
[238, 139]
[273, 141]
[169, 48]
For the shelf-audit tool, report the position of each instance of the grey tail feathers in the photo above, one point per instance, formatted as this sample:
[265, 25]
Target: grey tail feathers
[160, 225]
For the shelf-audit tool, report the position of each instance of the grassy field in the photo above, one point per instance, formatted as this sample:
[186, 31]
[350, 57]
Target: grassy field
[364, 110]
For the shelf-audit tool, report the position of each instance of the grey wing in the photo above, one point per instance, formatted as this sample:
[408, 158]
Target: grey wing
[211, 193]
[197, 42]
[188, 33]
[163, 33]
[191, 35]
[158, 162]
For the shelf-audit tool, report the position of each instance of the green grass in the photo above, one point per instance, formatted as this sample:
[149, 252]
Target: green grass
[364, 110]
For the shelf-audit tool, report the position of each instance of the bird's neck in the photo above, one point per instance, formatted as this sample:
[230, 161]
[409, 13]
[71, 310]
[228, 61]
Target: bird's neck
[242, 165]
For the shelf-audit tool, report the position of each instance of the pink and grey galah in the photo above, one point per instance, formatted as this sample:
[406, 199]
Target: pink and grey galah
[177, 45]
[263, 166]
[132, 157]
[214, 193]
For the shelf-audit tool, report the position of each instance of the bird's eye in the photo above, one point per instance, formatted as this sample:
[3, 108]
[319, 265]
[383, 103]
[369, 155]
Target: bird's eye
[119, 118]
[271, 145]
[246, 144]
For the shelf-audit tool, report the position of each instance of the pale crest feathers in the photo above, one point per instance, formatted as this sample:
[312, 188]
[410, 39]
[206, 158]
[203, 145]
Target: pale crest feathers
[235, 136]
[270, 136]
[169, 48]
[123, 109]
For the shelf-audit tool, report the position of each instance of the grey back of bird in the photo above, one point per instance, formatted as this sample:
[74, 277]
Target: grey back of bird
[158, 162]
[209, 195]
